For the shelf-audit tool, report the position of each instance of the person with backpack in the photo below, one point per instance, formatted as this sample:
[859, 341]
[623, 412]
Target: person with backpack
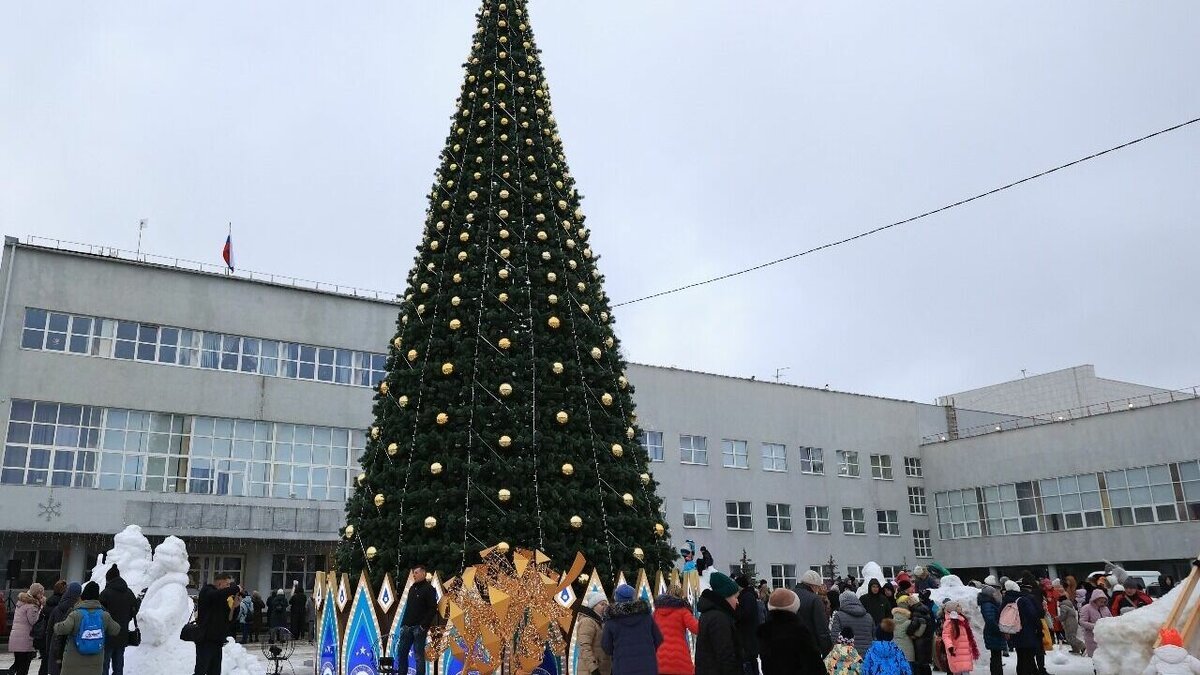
[121, 605]
[87, 628]
[245, 616]
[26, 616]
[212, 623]
[58, 643]
[1028, 638]
[993, 639]
[277, 614]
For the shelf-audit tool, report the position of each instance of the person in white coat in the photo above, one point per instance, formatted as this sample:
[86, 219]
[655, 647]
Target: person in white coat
[1170, 658]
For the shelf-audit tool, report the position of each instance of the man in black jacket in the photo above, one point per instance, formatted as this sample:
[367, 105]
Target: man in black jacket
[718, 647]
[121, 604]
[419, 613]
[811, 611]
[212, 621]
[746, 615]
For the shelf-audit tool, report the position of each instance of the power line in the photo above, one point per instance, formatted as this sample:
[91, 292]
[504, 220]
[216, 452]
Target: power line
[898, 223]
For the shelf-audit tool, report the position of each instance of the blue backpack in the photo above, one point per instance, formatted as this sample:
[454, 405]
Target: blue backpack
[89, 635]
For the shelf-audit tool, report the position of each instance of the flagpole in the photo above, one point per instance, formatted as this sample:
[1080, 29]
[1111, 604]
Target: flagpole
[229, 238]
[141, 228]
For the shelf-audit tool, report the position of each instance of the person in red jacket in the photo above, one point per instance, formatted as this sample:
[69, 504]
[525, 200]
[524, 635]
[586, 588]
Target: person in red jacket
[675, 620]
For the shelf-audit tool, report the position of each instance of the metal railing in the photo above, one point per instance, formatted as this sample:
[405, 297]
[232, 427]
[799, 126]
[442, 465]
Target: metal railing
[1059, 416]
[208, 268]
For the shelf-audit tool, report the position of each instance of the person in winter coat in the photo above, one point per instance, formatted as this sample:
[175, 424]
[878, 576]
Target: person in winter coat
[213, 610]
[121, 605]
[631, 637]
[961, 649]
[784, 644]
[1120, 601]
[922, 630]
[901, 620]
[1091, 614]
[851, 614]
[812, 611]
[1028, 642]
[1170, 658]
[58, 643]
[20, 639]
[592, 659]
[876, 603]
[993, 639]
[256, 616]
[747, 624]
[675, 620]
[299, 612]
[74, 663]
[843, 659]
[884, 657]
[923, 580]
[1068, 617]
[277, 613]
[420, 613]
[245, 616]
[718, 650]
[60, 587]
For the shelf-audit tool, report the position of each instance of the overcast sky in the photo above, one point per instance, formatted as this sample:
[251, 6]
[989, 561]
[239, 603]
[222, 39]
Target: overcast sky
[706, 136]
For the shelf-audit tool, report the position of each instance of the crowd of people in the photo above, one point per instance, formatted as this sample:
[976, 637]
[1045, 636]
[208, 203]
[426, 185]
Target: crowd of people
[78, 629]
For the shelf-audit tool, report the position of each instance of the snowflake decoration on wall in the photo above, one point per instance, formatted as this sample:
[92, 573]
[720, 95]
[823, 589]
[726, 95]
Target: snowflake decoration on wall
[51, 509]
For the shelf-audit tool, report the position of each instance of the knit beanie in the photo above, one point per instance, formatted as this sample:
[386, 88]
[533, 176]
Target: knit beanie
[37, 590]
[624, 593]
[785, 600]
[990, 580]
[812, 578]
[112, 573]
[592, 599]
[91, 591]
[722, 585]
[1011, 585]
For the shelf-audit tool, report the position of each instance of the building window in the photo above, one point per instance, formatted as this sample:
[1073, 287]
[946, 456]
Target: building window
[205, 568]
[289, 569]
[881, 467]
[696, 513]
[653, 442]
[853, 521]
[693, 449]
[812, 461]
[734, 454]
[816, 519]
[959, 510]
[1189, 477]
[774, 457]
[889, 571]
[848, 463]
[51, 444]
[1137, 496]
[912, 467]
[827, 572]
[783, 575]
[43, 566]
[889, 523]
[854, 571]
[921, 545]
[916, 501]
[779, 517]
[151, 343]
[738, 516]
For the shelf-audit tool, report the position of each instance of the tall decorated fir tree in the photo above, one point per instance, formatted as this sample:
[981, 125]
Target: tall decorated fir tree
[505, 415]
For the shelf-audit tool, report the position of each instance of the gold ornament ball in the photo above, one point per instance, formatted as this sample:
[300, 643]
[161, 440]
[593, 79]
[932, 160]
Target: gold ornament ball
[617, 450]
[379, 500]
[462, 255]
[562, 417]
[503, 273]
[455, 324]
[576, 522]
[430, 523]
[606, 399]
[397, 342]
[383, 388]
[504, 495]
[505, 441]
[455, 301]
[639, 554]
[506, 389]
[552, 299]
[442, 418]
[645, 479]
[503, 297]
[435, 468]
[349, 531]
[542, 236]
[554, 322]
[557, 368]
[362, 478]
[584, 578]
[596, 353]
[447, 368]
[502, 548]
[371, 553]
[403, 401]
[393, 449]
[465, 236]
[412, 355]
[609, 342]
[659, 530]
[629, 433]
[551, 277]
[568, 470]
[627, 498]
[374, 432]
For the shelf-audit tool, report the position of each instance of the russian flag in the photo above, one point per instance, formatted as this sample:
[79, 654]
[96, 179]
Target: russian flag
[227, 253]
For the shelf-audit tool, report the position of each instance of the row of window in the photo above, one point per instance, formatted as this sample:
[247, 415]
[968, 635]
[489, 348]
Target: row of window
[150, 343]
[65, 445]
[736, 455]
[740, 516]
[1164, 493]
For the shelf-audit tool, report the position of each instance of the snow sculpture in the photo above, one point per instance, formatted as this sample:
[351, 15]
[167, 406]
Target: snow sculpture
[870, 571]
[131, 553]
[952, 588]
[1125, 643]
[165, 610]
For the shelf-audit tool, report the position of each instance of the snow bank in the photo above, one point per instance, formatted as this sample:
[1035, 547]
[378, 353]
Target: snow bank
[952, 588]
[1125, 643]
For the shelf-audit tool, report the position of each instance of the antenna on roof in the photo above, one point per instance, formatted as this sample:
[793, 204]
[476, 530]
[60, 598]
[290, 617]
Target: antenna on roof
[142, 225]
[779, 372]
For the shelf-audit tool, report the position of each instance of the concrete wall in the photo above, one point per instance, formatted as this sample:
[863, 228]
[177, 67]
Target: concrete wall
[1047, 393]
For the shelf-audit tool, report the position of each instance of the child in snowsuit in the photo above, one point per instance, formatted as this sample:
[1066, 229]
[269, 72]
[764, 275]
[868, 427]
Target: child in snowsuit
[1068, 616]
[844, 658]
[961, 650]
[884, 657]
[1170, 658]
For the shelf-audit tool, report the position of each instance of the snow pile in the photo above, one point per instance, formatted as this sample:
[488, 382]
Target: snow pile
[870, 571]
[952, 588]
[1125, 643]
[235, 660]
[131, 554]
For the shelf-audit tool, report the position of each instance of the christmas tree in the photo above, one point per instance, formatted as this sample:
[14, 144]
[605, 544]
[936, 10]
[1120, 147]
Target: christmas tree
[505, 415]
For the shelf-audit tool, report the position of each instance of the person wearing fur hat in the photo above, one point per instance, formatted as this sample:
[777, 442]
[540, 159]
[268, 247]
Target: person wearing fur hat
[1170, 658]
[961, 650]
[785, 646]
[884, 657]
[631, 637]
[811, 613]
[1090, 615]
[20, 639]
[592, 659]
[74, 663]
[718, 650]
[843, 659]
[675, 620]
